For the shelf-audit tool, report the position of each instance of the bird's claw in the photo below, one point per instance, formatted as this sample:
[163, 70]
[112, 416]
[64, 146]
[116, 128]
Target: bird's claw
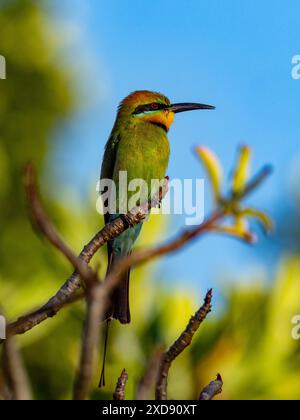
[127, 220]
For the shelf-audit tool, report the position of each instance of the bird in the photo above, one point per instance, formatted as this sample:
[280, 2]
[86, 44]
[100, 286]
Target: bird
[138, 145]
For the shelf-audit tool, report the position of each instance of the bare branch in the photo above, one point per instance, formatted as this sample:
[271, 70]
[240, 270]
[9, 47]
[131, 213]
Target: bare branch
[89, 342]
[211, 390]
[149, 378]
[180, 345]
[119, 393]
[15, 371]
[5, 393]
[42, 221]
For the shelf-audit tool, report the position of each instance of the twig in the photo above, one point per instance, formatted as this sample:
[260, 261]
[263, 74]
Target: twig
[15, 371]
[119, 393]
[150, 375]
[5, 393]
[42, 221]
[211, 390]
[180, 345]
[89, 342]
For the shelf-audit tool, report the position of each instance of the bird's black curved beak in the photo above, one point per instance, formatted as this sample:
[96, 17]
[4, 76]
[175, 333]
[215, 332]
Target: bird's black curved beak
[186, 106]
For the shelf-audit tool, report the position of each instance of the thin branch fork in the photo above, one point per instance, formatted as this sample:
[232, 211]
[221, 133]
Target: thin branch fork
[180, 345]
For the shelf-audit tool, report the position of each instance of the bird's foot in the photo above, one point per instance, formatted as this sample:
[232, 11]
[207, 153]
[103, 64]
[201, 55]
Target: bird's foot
[127, 221]
[164, 191]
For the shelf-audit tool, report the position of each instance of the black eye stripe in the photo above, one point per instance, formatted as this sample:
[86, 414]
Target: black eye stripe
[154, 106]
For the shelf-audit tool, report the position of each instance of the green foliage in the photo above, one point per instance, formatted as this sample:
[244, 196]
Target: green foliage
[34, 98]
[231, 204]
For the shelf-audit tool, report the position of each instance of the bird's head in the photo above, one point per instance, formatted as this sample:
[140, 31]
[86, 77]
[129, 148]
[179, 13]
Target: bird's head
[154, 108]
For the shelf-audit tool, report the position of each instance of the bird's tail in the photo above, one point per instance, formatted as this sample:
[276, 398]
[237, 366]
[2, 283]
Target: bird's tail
[102, 377]
[119, 301]
[118, 309]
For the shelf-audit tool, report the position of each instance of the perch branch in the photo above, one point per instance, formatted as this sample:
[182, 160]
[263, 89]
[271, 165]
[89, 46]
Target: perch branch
[211, 390]
[89, 342]
[5, 393]
[119, 393]
[150, 375]
[42, 221]
[15, 371]
[180, 345]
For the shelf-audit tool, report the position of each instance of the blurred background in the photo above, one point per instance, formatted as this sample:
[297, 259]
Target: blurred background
[69, 63]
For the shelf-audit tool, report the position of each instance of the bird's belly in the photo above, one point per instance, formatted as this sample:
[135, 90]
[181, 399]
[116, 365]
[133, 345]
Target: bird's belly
[150, 160]
[144, 165]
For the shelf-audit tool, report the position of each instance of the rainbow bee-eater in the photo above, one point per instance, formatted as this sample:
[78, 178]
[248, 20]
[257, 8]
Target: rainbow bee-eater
[138, 145]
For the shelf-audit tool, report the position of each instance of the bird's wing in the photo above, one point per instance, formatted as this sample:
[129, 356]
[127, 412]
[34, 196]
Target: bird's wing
[109, 160]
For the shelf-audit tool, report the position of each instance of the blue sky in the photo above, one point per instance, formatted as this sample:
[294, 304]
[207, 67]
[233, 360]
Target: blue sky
[234, 54]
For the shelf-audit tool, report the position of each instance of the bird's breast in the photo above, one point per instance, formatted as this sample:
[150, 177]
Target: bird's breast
[143, 154]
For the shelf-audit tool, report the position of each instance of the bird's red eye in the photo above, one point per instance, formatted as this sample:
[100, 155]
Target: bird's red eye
[154, 105]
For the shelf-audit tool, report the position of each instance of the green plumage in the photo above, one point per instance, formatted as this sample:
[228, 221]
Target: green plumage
[138, 145]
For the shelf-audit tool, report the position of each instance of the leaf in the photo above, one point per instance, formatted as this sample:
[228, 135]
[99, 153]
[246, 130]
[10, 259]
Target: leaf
[262, 217]
[242, 169]
[213, 169]
[241, 223]
[234, 231]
